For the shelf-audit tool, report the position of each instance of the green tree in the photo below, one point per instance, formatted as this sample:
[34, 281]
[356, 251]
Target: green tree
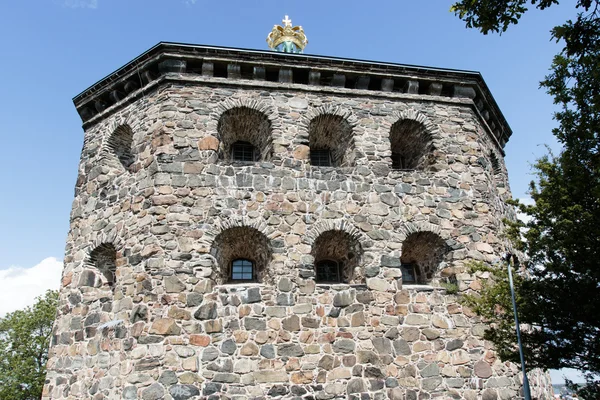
[560, 299]
[24, 340]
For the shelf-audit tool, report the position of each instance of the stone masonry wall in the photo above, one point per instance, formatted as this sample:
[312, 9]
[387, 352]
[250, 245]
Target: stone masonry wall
[171, 327]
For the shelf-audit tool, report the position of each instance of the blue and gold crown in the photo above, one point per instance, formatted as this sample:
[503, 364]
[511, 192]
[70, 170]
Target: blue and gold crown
[287, 38]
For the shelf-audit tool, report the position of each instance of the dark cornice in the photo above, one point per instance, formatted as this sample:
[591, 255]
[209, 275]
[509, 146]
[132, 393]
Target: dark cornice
[166, 61]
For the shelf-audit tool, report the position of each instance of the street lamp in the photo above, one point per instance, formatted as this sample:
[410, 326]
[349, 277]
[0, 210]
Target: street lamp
[508, 257]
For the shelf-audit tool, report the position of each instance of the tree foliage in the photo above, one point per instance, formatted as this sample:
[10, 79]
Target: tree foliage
[560, 299]
[24, 339]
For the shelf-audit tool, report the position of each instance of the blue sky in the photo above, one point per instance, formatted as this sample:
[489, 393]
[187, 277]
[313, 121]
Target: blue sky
[54, 49]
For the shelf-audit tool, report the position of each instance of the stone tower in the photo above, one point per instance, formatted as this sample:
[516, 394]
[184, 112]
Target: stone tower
[254, 224]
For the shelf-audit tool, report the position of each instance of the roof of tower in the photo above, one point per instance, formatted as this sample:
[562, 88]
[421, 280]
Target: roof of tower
[196, 64]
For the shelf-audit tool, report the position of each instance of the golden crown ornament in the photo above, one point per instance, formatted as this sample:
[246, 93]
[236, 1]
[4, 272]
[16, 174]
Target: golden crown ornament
[287, 38]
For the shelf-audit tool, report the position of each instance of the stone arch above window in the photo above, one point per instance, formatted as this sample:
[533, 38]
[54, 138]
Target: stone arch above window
[422, 254]
[331, 141]
[119, 145]
[241, 243]
[247, 126]
[411, 145]
[336, 255]
[104, 259]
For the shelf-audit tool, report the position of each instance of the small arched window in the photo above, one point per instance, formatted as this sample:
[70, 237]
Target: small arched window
[336, 254]
[245, 135]
[410, 145]
[422, 253]
[242, 254]
[120, 144]
[496, 168]
[242, 151]
[331, 141]
[242, 270]
[104, 258]
[328, 271]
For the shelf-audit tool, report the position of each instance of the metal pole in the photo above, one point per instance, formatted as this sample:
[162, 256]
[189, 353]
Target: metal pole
[526, 391]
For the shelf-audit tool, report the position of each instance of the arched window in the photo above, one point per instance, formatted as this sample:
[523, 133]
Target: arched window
[422, 253]
[495, 164]
[119, 144]
[410, 145]
[328, 271]
[242, 253]
[242, 270]
[242, 151]
[331, 142]
[336, 254]
[104, 258]
[245, 135]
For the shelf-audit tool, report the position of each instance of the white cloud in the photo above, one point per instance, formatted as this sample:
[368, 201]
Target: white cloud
[80, 3]
[20, 286]
[190, 2]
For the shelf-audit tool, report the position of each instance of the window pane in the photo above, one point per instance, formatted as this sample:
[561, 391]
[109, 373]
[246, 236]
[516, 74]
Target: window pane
[408, 273]
[320, 158]
[242, 270]
[328, 271]
[398, 161]
[242, 151]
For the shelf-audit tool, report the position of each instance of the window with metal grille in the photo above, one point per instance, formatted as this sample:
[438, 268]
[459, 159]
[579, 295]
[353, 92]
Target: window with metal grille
[328, 271]
[242, 151]
[409, 273]
[398, 161]
[320, 158]
[242, 270]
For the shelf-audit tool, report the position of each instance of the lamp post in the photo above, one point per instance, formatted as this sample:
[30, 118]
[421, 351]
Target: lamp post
[526, 391]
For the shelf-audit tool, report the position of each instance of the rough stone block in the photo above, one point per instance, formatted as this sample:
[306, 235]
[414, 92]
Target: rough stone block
[213, 326]
[382, 345]
[183, 392]
[252, 295]
[343, 298]
[356, 385]
[165, 326]
[344, 346]
[269, 376]
[416, 319]
[431, 383]
[206, 311]
[482, 369]
[290, 350]
[252, 323]
[402, 347]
